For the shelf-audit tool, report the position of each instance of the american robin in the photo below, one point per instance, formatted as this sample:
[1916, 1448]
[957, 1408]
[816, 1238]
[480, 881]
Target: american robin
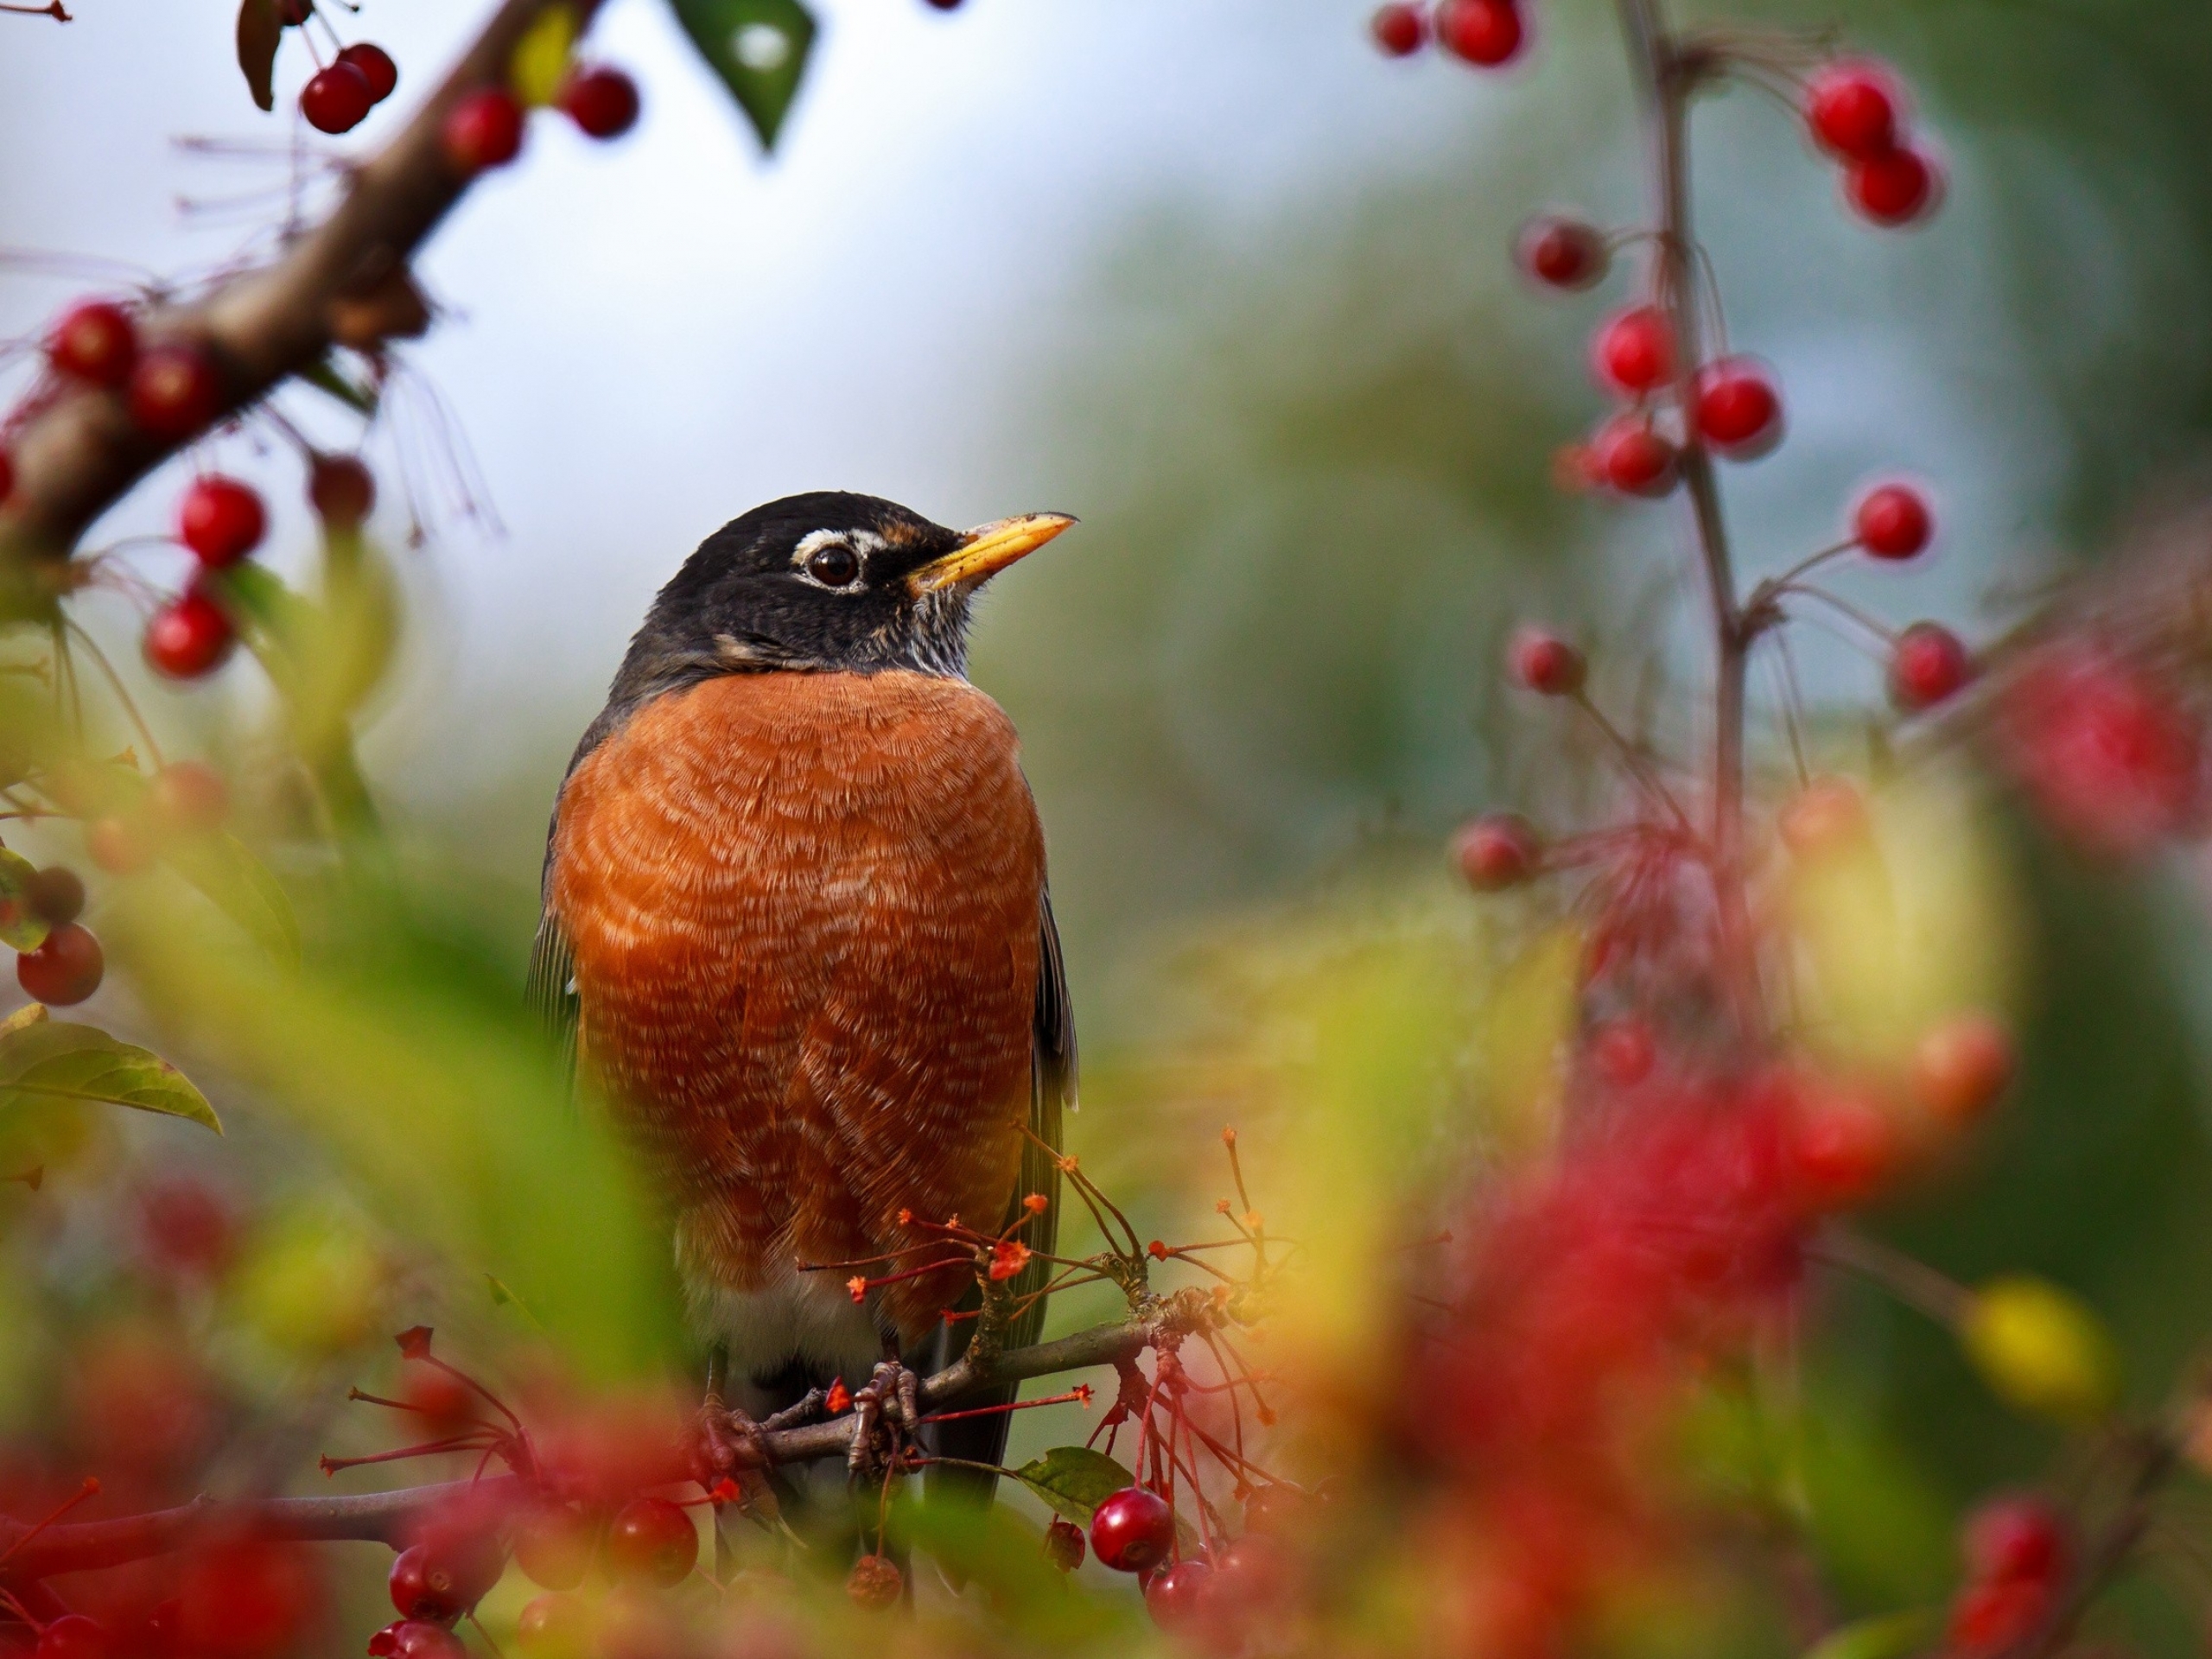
[797, 926]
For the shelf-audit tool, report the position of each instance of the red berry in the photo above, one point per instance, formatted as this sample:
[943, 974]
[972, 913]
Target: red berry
[118, 845]
[221, 520]
[1930, 664]
[1844, 1146]
[7, 474]
[1064, 1545]
[1178, 1598]
[1132, 1530]
[375, 66]
[875, 1584]
[337, 99]
[1631, 455]
[95, 341]
[559, 1627]
[189, 796]
[1895, 188]
[186, 1227]
[1826, 818]
[1545, 663]
[1635, 351]
[553, 1542]
[1623, 1051]
[1892, 521]
[602, 102]
[484, 130]
[416, 1638]
[1739, 411]
[175, 391]
[65, 969]
[72, 1636]
[1399, 30]
[1249, 1571]
[1960, 1067]
[1498, 850]
[1485, 32]
[1280, 1507]
[189, 636]
[651, 1541]
[442, 1578]
[55, 894]
[341, 490]
[1988, 1618]
[1851, 109]
[1562, 253]
[2008, 1539]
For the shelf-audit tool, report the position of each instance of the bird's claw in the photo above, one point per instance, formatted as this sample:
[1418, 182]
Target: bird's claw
[727, 1446]
[886, 1414]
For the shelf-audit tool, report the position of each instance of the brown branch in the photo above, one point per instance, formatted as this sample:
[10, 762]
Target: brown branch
[81, 452]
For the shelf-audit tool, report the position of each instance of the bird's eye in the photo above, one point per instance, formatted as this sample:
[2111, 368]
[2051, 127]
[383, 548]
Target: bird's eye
[834, 566]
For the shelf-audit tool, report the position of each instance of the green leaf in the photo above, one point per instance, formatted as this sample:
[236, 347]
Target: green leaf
[326, 380]
[47, 1059]
[760, 49]
[259, 31]
[1074, 1479]
[20, 928]
[1890, 1635]
[222, 867]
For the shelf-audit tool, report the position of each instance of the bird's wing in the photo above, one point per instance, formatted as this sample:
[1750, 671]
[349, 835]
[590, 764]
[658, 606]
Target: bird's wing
[551, 990]
[1051, 1092]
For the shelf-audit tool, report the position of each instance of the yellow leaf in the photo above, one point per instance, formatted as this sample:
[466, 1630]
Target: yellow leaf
[540, 63]
[2041, 1350]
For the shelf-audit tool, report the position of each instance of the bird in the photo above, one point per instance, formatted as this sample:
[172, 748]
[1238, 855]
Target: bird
[796, 933]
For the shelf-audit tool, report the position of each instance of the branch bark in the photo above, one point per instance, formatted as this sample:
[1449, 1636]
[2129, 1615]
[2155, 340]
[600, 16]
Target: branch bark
[81, 452]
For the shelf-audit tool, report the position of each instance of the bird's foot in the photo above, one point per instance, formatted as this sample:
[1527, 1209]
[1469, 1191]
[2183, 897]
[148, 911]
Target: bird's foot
[727, 1445]
[887, 1412]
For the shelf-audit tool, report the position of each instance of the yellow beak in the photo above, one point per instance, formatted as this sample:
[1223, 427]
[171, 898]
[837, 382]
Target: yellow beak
[986, 551]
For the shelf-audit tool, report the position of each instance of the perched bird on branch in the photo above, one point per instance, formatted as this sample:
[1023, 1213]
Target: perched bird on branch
[796, 924]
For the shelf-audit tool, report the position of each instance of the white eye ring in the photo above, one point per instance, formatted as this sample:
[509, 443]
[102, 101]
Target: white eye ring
[822, 556]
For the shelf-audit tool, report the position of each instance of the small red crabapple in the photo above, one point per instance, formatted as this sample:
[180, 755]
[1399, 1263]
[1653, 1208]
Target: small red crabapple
[602, 101]
[1961, 1065]
[484, 130]
[1622, 1051]
[1894, 188]
[553, 1542]
[2017, 1537]
[189, 636]
[186, 1228]
[118, 845]
[1988, 1618]
[1486, 33]
[1399, 30]
[1631, 455]
[175, 391]
[1634, 350]
[1280, 1507]
[556, 1627]
[337, 99]
[55, 894]
[1843, 1146]
[651, 1541]
[1543, 662]
[189, 797]
[221, 520]
[1738, 409]
[1891, 521]
[416, 1638]
[1852, 109]
[64, 971]
[1828, 816]
[375, 66]
[1132, 1530]
[1064, 1545]
[1929, 665]
[341, 490]
[1498, 850]
[72, 1636]
[1561, 252]
[1177, 1597]
[95, 341]
[875, 1584]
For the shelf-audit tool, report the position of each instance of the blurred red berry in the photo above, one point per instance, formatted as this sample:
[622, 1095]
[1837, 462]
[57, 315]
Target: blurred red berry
[1498, 850]
[1893, 188]
[875, 1584]
[1634, 350]
[602, 101]
[1543, 662]
[188, 637]
[247, 1599]
[1623, 1051]
[1844, 1146]
[1828, 815]
[118, 846]
[1561, 252]
[72, 1636]
[1961, 1065]
[189, 796]
[2016, 1538]
[1738, 409]
[65, 970]
[341, 490]
[1132, 1530]
[1988, 1618]
[484, 130]
[186, 1228]
[416, 1638]
[337, 99]
[7, 474]
[1891, 521]
[556, 1627]
[1487, 33]
[1631, 455]
[1064, 1545]
[651, 1541]
[1177, 1596]
[1853, 109]
[1399, 30]
[1929, 666]
[553, 1542]
[376, 67]
[2108, 748]
[1279, 1507]
[55, 894]
[175, 391]
[221, 520]
[95, 341]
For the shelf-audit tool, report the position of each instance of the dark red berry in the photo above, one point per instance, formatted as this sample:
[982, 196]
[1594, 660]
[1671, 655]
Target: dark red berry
[1843, 1146]
[440, 1580]
[651, 1541]
[1177, 1597]
[1562, 253]
[1631, 455]
[416, 1638]
[341, 490]
[175, 391]
[1959, 1068]
[1487, 33]
[188, 637]
[1634, 351]
[7, 474]
[1623, 1051]
[602, 102]
[186, 1227]
[1895, 188]
[1064, 1545]
[375, 66]
[1988, 1618]
[553, 1542]
[221, 520]
[337, 99]
[189, 797]
[875, 1584]
[484, 130]
[1930, 664]
[95, 341]
[1499, 850]
[1851, 109]
[1739, 411]
[1892, 521]
[72, 1636]
[293, 13]
[1399, 30]
[1544, 663]
[1132, 1530]
[55, 895]
[64, 971]
[2012, 1539]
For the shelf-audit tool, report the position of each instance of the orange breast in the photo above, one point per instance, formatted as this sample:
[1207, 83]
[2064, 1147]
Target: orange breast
[804, 911]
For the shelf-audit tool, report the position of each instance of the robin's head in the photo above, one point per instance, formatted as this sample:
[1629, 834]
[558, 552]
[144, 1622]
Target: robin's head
[824, 580]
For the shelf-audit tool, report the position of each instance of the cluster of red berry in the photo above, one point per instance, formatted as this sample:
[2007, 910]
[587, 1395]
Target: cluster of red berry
[1856, 111]
[1209, 1594]
[2017, 1552]
[1487, 33]
[484, 129]
[339, 97]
